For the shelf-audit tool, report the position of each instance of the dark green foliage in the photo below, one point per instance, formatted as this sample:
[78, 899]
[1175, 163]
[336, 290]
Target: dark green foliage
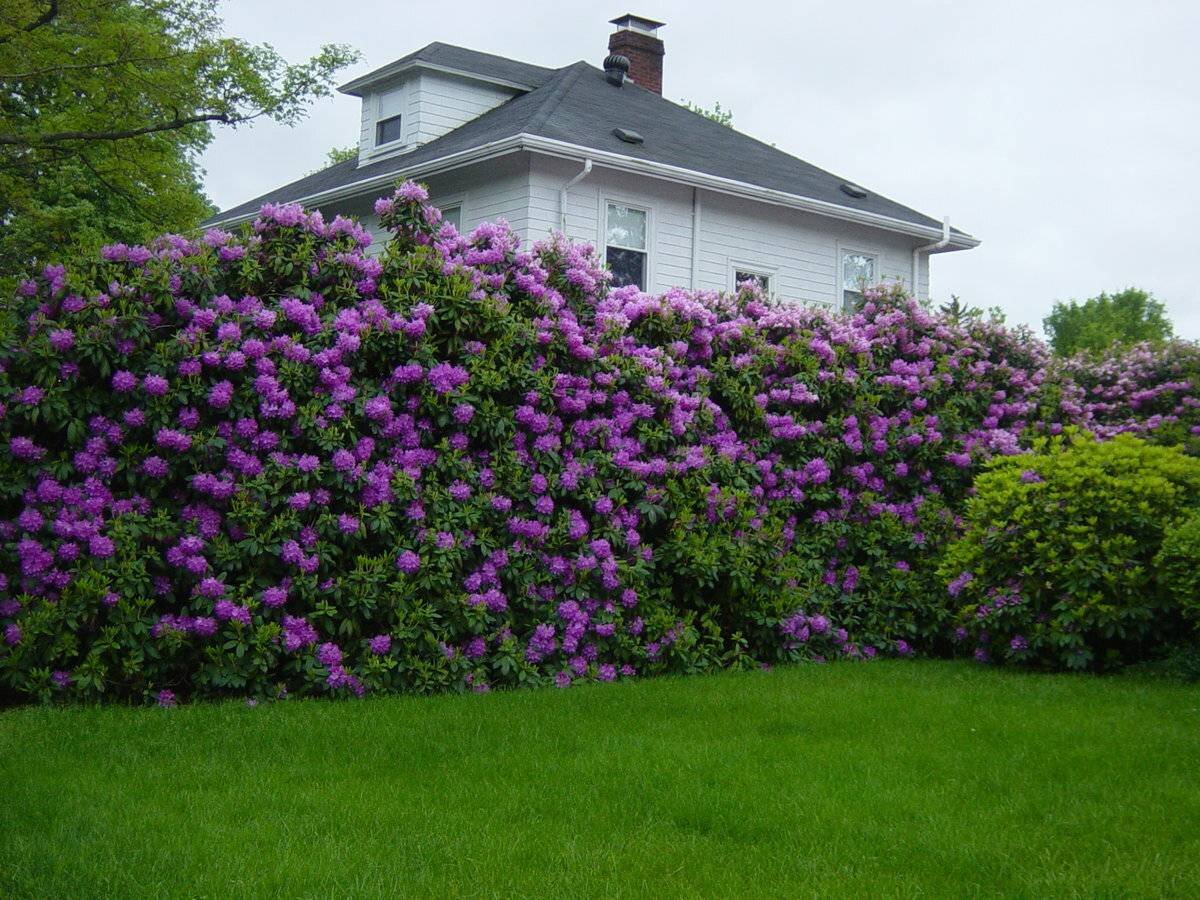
[105, 106]
[957, 311]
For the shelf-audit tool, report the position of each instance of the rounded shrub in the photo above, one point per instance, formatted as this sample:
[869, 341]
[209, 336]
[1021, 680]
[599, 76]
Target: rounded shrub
[1059, 560]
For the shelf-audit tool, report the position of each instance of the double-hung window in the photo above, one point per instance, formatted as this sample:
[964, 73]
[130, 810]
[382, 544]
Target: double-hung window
[626, 244]
[859, 271]
[389, 120]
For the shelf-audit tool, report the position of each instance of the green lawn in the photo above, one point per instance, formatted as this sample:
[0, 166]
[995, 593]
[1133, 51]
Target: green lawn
[888, 778]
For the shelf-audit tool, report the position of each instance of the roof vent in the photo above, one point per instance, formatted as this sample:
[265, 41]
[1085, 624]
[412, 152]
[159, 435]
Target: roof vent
[616, 68]
[629, 136]
[853, 190]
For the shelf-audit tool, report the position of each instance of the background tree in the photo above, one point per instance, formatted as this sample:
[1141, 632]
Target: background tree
[337, 155]
[340, 155]
[958, 312]
[717, 114]
[1124, 318]
[105, 106]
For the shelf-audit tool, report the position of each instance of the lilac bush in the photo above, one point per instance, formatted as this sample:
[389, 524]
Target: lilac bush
[266, 462]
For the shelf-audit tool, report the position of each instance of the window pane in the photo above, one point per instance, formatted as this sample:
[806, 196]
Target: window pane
[453, 215]
[857, 269]
[387, 130]
[391, 103]
[627, 266]
[626, 227]
[763, 281]
[851, 300]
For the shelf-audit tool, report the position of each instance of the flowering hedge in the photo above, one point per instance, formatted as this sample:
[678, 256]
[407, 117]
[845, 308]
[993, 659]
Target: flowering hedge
[269, 462]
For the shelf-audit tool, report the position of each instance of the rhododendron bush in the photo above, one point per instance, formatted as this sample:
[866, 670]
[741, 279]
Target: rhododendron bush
[1072, 554]
[268, 462]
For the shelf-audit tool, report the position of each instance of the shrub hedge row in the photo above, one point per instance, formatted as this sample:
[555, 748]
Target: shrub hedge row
[269, 462]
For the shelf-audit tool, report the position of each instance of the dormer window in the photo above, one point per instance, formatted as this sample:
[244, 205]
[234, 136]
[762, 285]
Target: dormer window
[388, 130]
[389, 118]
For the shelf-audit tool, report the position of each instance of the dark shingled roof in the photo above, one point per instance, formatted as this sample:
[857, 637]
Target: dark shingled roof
[448, 56]
[577, 105]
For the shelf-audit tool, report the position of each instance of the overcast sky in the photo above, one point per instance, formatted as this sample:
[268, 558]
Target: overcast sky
[1063, 133]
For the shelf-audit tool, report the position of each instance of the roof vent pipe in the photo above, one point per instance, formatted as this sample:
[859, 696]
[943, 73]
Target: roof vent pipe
[616, 68]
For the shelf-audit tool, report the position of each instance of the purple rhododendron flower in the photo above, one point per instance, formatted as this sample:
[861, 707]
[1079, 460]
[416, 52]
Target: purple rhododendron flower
[61, 339]
[329, 654]
[380, 644]
[123, 382]
[445, 377]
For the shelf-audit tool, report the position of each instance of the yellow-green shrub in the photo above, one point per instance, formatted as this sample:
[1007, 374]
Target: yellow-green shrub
[1057, 565]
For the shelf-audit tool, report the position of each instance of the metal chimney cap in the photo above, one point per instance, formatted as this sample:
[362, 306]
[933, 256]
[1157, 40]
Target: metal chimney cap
[637, 23]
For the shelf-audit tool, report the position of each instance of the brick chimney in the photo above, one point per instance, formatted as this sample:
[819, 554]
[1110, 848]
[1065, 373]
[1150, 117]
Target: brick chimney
[636, 40]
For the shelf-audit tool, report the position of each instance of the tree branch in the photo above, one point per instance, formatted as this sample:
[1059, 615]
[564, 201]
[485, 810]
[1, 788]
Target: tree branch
[45, 18]
[132, 60]
[60, 136]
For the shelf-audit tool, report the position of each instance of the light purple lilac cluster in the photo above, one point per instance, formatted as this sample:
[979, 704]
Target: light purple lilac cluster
[271, 463]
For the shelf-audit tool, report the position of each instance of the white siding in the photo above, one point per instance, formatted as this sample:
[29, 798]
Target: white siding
[669, 205]
[800, 250]
[444, 102]
[486, 192]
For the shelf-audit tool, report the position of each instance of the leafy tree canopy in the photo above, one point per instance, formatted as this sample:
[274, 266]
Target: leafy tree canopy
[717, 113]
[338, 155]
[1128, 317]
[105, 106]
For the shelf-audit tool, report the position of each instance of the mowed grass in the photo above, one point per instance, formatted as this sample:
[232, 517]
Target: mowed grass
[889, 778]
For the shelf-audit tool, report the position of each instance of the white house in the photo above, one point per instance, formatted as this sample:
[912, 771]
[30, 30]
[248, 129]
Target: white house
[673, 198]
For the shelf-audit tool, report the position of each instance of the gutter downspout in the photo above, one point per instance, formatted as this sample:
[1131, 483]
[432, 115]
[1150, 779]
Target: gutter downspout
[562, 194]
[925, 248]
[695, 238]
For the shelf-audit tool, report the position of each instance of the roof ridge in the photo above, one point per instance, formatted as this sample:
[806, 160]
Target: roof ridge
[546, 108]
[573, 105]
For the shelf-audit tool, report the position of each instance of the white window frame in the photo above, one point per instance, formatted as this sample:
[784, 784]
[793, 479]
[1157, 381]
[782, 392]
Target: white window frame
[771, 273]
[602, 231]
[377, 117]
[843, 250]
[394, 142]
[449, 201]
